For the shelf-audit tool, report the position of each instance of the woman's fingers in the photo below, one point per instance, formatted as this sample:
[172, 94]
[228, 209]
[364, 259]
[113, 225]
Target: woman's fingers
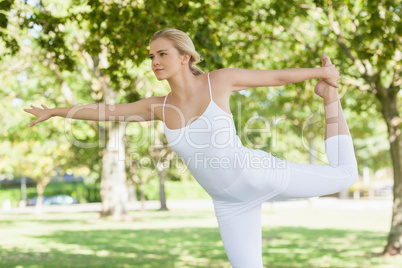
[43, 106]
[325, 60]
[334, 73]
[40, 119]
[333, 70]
[33, 123]
[332, 83]
[35, 109]
[38, 112]
[31, 111]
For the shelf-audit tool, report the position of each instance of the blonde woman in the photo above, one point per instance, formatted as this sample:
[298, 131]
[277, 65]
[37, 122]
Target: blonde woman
[199, 127]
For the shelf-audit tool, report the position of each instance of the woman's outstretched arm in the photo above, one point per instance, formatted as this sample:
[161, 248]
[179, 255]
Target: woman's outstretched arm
[142, 110]
[239, 79]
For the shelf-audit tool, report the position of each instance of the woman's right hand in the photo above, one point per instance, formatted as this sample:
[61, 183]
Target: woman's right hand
[332, 74]
[42, 114]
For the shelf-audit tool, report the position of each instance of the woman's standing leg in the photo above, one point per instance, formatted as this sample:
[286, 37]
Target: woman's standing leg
[241, 236]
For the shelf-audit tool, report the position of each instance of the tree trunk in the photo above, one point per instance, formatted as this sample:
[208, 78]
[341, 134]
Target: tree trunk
[162, 194]
[162, 156]
[391, 116]
[142, 193]
[40, 189]
[114, 191]
[140, 182]
[313, 154]
[113, 182]
[132, 193]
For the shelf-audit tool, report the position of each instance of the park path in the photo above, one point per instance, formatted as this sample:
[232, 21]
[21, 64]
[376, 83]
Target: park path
[206, 204]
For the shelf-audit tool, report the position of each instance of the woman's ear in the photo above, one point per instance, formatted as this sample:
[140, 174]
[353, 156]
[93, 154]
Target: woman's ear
[186, 59]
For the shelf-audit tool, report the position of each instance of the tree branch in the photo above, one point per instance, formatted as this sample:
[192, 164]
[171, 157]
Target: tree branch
[396, 81]
[341, 41]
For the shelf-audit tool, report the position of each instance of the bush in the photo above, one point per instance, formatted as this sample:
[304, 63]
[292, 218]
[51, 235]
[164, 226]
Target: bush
[175, 190]
[82, 192]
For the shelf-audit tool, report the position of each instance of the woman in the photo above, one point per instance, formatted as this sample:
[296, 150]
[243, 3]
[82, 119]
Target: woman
[200, 129]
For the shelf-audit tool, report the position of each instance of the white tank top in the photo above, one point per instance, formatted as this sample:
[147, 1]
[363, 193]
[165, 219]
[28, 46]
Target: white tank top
[216, 157]
[210, 147]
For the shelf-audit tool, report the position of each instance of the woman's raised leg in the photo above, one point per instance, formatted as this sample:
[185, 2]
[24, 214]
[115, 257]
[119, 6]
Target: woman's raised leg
[314, 180]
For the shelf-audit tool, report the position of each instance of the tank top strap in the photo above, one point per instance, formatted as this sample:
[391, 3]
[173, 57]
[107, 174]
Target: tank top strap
[209, 85]
[163, 109]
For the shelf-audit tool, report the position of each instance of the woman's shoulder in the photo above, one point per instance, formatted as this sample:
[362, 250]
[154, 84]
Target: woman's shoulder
[226, 73]
[155, 105]
[219, 72]
[155, 99]
[223, 76]
[221, 81]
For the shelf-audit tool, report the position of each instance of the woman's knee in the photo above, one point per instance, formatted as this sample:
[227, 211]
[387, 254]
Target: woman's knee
[351, 175]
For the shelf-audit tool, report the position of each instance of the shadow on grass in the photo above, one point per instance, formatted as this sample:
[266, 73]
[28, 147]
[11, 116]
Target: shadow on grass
[6, 222]
[48, 218]
[198, 247]
[304, 247]
[186, 247]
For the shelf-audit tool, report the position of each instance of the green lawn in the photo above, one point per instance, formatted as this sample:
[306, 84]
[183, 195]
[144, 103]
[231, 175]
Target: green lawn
[293, 237]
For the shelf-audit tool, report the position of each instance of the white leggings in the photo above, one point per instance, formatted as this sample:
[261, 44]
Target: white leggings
[241, 231]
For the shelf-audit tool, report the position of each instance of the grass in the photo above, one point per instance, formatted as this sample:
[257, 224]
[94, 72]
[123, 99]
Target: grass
[292, 237]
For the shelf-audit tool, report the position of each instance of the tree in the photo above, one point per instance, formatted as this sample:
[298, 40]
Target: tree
[106, 39]
[103, 40]
[41, 154]
[369, 46]
[162, 158]
[365, 39]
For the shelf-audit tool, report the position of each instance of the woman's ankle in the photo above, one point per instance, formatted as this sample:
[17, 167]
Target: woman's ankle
[330, 97]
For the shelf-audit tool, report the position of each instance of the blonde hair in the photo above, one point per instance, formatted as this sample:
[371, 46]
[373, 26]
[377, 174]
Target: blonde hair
[183, 43]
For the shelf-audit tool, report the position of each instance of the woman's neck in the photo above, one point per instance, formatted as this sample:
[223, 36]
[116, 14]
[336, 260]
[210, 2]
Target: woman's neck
[183, 85]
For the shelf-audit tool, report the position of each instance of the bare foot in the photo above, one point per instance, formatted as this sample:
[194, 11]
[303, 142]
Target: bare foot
[323, 89]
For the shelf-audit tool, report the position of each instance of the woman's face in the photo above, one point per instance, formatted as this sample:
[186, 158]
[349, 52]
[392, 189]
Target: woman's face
[166, 59]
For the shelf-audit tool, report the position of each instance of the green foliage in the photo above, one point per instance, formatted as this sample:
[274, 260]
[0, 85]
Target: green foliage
[176, 190]
[84, 193]
[185, 190]
[14, 195]
[57, 37]
[8, 42]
